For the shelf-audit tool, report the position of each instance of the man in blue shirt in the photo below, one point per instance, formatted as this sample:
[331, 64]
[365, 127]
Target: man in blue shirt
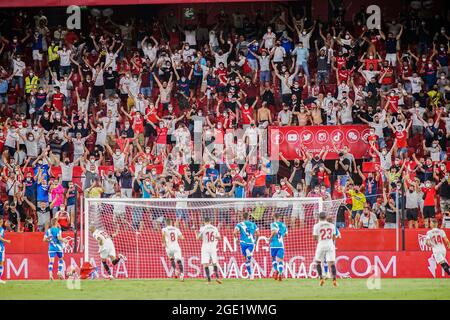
[184, 86]
[278, 233]
[302, 57]
[2, 248]
[248, 234]
[211, 173]
[37, 47]
[251, 58]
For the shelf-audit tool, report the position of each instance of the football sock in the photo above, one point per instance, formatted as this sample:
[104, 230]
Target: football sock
[180, 266]
[50, 266]
[248, 265]
[275, 264]
[445, 266]
[280, 267]
[1, 271]
[216, 271]
[319, 270]
[172, 262]
[60, 265]
[207, 273]
[333, 271]
[105, 265]
[115, 261]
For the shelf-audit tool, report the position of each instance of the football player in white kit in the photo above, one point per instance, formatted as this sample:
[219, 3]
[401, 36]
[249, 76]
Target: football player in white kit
[325, 233]
[209, 234]
[437, 239]
[106, 249]
[170, 237]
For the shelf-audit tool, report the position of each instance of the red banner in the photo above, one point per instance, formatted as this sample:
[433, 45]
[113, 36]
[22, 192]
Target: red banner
[361, 253]
[290, 140]
[383, 264]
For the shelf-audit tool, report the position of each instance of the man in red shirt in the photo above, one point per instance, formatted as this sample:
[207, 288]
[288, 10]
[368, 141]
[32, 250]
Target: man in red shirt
[392, 102]
[259, 186]
[221, 74]
[343, 74]
[58, 100]
[340, 60]
[429, 202]
[401, 136]
[247, 113]
[371, 60]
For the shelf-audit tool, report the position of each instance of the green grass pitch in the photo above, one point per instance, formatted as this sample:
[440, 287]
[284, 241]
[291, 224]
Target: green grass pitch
[301, 289]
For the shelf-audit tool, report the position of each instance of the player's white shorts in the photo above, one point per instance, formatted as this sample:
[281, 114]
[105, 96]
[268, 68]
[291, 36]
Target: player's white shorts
[107, 250]
[439, 255]
[328, 252]
[174, 252]
[209, 254]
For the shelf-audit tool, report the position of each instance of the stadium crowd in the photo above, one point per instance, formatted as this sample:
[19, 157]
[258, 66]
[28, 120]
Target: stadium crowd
[169, 107]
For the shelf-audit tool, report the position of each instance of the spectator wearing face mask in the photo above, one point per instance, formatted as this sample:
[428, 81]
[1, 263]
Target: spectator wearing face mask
[429, 207]
[368, 219]
[412, 204]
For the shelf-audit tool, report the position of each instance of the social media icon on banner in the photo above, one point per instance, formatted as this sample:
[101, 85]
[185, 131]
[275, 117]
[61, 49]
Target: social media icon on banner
[307, 137]
[352, 136]
[365, 135]
[337, 135]
[322, 136]
[292, 137]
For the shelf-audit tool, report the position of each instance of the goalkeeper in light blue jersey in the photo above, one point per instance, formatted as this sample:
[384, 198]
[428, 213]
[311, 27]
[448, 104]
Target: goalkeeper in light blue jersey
[248, 234]
[55, 241]
[278, 233]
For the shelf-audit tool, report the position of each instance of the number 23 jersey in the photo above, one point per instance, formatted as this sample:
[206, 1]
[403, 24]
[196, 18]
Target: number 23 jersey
[324, 231]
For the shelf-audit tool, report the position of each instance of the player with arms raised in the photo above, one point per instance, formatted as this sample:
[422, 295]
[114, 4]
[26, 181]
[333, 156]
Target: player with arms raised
[170, 236]
[106, 249]
[55, 241]
[437, 239]
[325, 233]
[248, 234]
[2, 248]
[278, 233]
[210, 235]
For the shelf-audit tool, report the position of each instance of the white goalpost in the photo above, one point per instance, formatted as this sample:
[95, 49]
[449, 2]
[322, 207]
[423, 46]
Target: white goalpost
[135, 226]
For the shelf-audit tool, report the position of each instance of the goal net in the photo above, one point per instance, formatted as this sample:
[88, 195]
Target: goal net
[136, 229]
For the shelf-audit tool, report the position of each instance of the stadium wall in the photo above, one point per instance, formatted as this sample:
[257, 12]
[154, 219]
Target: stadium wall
[368, 255]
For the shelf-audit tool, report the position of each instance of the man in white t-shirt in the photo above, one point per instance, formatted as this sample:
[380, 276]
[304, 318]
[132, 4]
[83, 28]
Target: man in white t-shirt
[221, 56]
[149, 49]
[269, 39]
[416, 83]
[190, 35]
